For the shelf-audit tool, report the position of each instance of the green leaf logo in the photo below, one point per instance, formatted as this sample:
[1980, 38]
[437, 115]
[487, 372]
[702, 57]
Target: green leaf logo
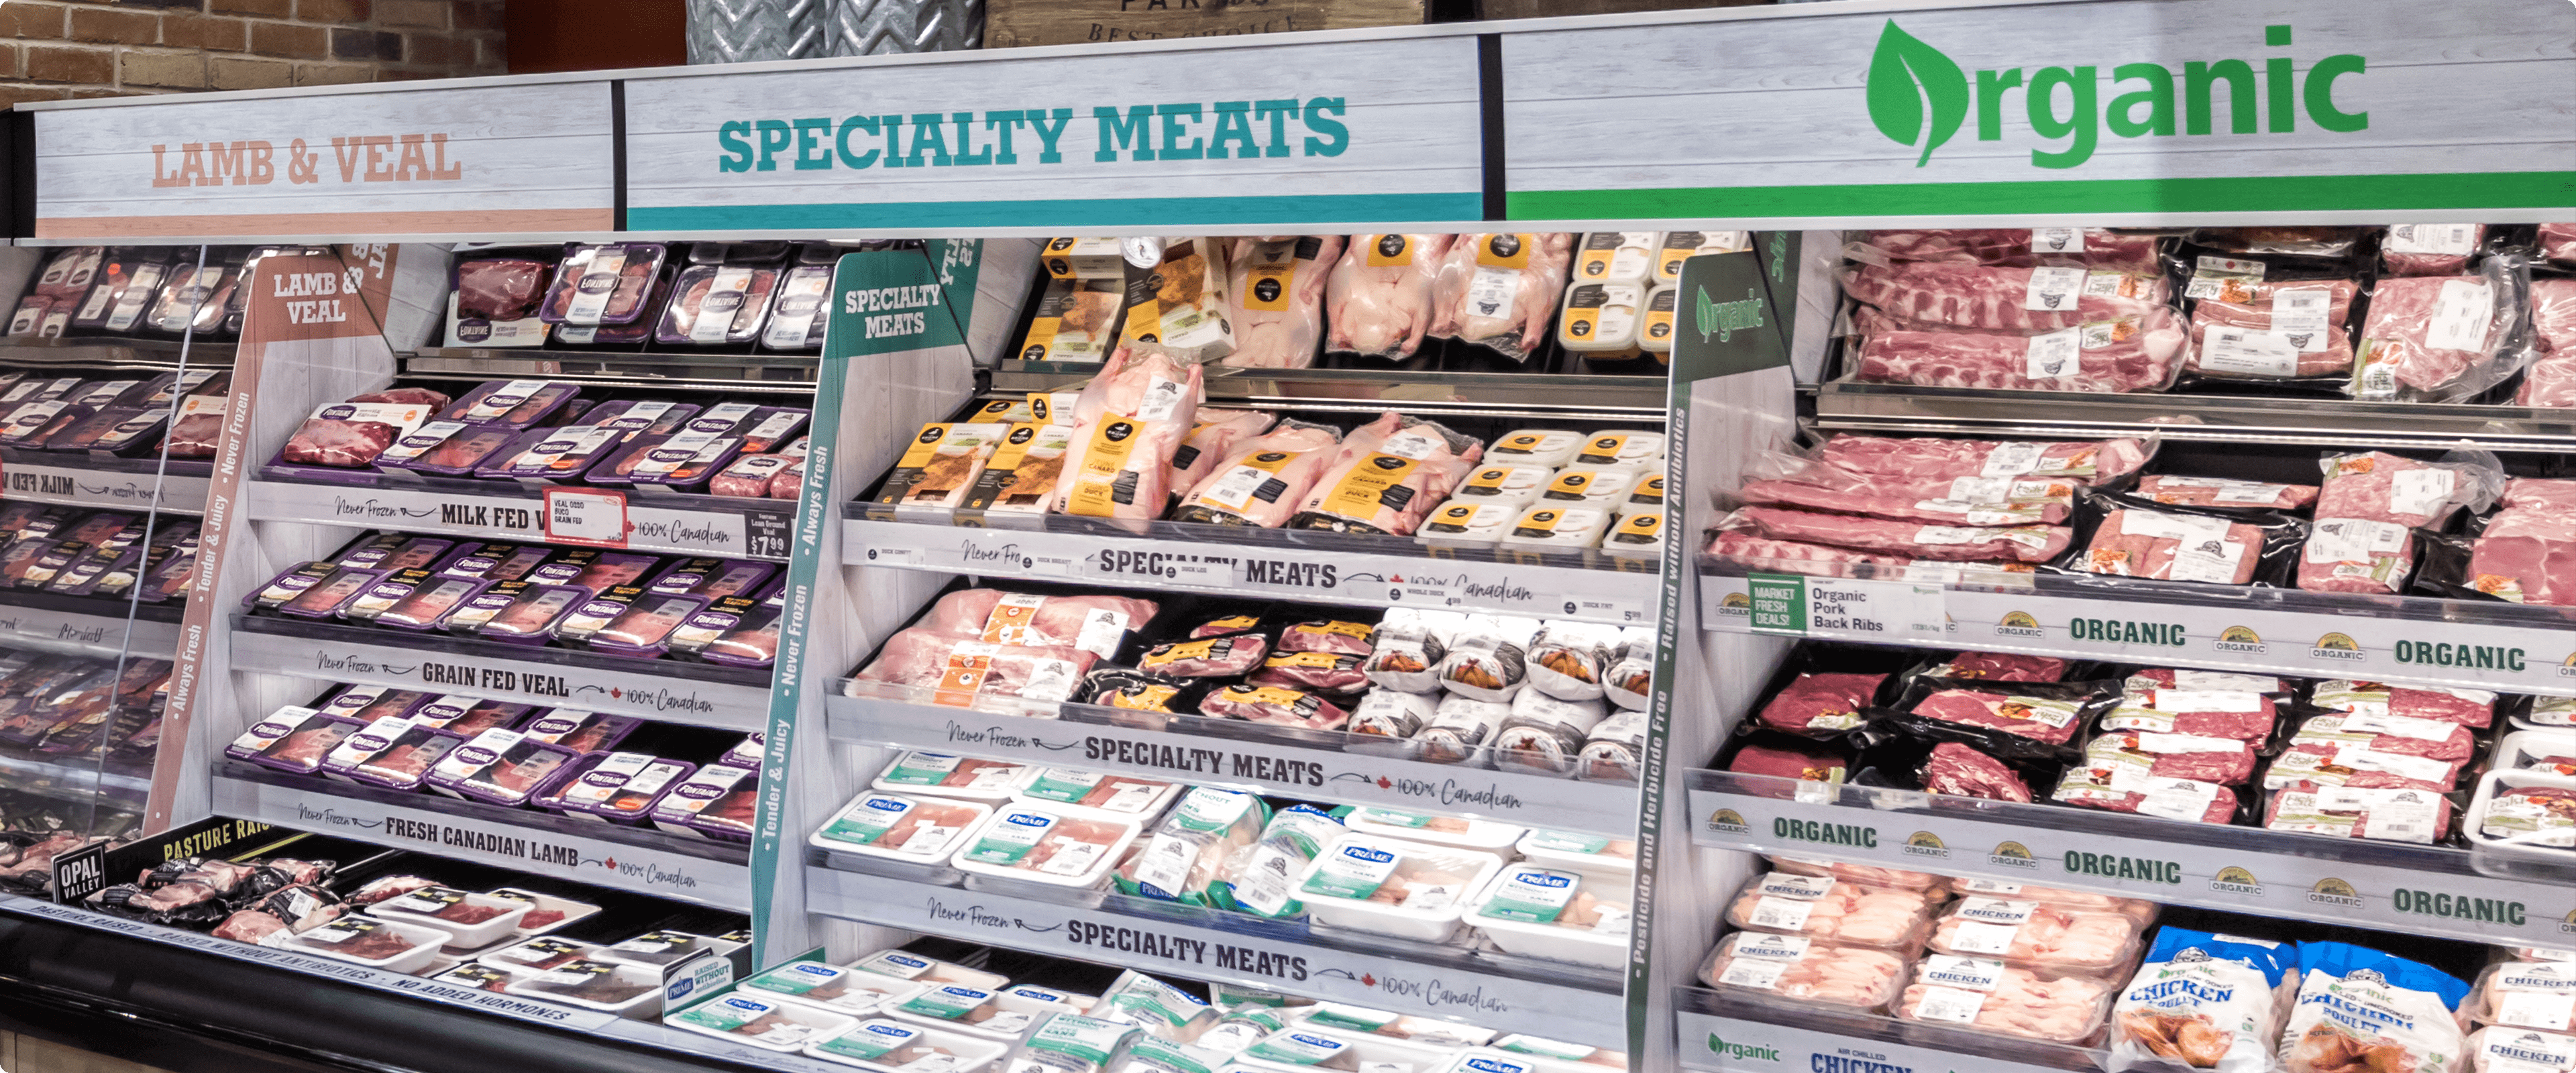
[1910, 80]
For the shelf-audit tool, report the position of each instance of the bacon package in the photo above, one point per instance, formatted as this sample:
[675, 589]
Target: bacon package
[1128, 423]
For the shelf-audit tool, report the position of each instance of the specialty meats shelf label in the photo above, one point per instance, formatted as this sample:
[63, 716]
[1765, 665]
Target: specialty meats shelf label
[1284, 961]
[1712, 1043]
[617, 686]
[2380, 885]
[1603, 808]
[749, 534]
[2520, 659]
[1361, 131]
[1625, 595]
[624, 866]
[77, 487]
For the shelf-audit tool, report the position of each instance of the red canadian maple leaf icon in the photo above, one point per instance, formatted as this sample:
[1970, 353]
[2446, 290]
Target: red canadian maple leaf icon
[611, 862]
[1368, 980]
[615, 692]
[1382, 783]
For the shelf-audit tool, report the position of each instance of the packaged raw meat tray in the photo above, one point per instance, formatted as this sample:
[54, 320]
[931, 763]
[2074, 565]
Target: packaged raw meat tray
[1797, 967]
[1833, 910]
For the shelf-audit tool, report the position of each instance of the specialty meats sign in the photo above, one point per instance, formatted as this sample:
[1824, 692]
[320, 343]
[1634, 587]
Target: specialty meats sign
[1345, 132]
[2112, 111]
[482, 161]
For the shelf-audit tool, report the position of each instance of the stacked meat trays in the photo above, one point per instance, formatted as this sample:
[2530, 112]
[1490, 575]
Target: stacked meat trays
[2460, 524]
[466, 925]
[1531, 900]
[2451, 313]
[2134, 987]
[1561, 699]
[941, 1005]
[1138, 443]
[506, 760]
[2332, 758]
[1556, 302]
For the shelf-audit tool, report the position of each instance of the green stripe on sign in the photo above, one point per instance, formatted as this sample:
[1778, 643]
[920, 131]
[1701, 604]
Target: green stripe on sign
[2305, 193]
[1067, 213]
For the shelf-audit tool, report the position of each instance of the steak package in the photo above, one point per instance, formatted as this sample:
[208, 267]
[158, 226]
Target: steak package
[603, 284]
[349, 435]
[493, 302]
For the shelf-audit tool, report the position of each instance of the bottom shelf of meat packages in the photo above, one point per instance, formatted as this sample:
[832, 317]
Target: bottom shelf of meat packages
[941, 1005]
[1470, 897]
[1132, 477]
[1847, 960]
[694, 467]
[1297, 696]
[576, 624]
[495, 781]
[447, 930]
[2348, 800]
[2214, 536]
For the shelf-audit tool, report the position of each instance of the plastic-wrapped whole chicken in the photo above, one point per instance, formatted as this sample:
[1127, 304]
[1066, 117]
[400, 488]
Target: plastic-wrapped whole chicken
[1264, 478]
[1544, 734]
[1096, 624]
[1389, 487]
[1833, 910]
[1129, 422]
[2359, 1009]
[1211, 441]
[1986, 994]
[1488, 657]
[1379, 296]
[2037, 934]
[1567, 659]
[1630, 681]
[1500, 290]
[1793, 966]
[1183, 855]
[1261, 878]
[1275, 293]
[1411, 644]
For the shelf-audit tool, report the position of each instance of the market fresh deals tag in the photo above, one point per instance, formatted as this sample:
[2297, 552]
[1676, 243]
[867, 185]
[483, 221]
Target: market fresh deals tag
[592, 516]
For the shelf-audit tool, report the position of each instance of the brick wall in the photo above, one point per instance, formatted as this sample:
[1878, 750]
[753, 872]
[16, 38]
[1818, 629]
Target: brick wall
[111, 48]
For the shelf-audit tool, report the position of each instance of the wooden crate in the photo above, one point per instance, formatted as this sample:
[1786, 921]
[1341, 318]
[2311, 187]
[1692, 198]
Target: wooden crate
[1014, 23]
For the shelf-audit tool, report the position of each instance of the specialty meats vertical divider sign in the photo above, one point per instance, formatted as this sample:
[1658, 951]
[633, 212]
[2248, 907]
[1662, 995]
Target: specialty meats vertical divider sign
[477, 161]
[2121, 110]
[1342, 132]
[304, 309]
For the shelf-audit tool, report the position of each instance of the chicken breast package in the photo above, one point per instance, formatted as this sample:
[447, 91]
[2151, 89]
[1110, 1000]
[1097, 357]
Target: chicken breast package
[2525, 994]
[1096, 624]
[1833, 910]
[2037, 934]
[1797, 967]
[1211, 441]
[1042, 845]
[1426, 886]
[1261, 878]
[1380, 294]
[1390, 486]
[1129, 421]
[1261, 481]
[2358, 1008]
[1183, 855]
[1275, 292]
[2520, 1050]
[1988, 995]
[1499, 291]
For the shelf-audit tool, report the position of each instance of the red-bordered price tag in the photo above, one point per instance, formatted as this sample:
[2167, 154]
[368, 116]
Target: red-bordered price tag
[592, 516]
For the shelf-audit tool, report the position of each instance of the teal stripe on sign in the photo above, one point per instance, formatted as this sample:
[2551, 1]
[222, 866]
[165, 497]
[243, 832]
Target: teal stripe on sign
[1068, 213]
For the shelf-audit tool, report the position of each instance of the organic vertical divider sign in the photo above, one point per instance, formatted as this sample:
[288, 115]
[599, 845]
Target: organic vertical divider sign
[881, 302]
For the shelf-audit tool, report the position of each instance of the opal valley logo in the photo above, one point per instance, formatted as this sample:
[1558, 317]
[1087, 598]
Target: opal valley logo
[1920, 97]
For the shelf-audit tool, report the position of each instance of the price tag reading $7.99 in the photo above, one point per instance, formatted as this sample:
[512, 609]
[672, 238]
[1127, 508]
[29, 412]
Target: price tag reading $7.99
[586, 516]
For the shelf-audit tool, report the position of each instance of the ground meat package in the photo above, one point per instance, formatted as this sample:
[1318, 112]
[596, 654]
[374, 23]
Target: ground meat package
[2206, 1001]
[2444, 338]
[2361, 1009]
[1488, 657]
[2362, 540]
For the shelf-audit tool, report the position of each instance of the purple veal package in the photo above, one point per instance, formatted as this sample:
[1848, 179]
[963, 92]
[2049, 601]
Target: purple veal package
[100, 393]
[406, 763]
[32, 424]
[616, 787]
[725, 419]
[495, 561]
[292, 739]
[711, 578]
[580, 731]
[604, 284]
[429, 602]
[552, 455]
[375, 737]
[445, 449]
[747, 752]
[375, 703]
[717, 305]
[596, 613]
[288, 584]
[116, 430]
[687, 458]
[774, 425]
[630, 334]
[413, 554]
[323, 598]
[83, 576]
[466, 716]
[387, 591]
[687, 802]
[644, 629]
[752, 641]
[652, 417]
[501, 767]
[516, 611]
[594, 571]
[512, 403]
